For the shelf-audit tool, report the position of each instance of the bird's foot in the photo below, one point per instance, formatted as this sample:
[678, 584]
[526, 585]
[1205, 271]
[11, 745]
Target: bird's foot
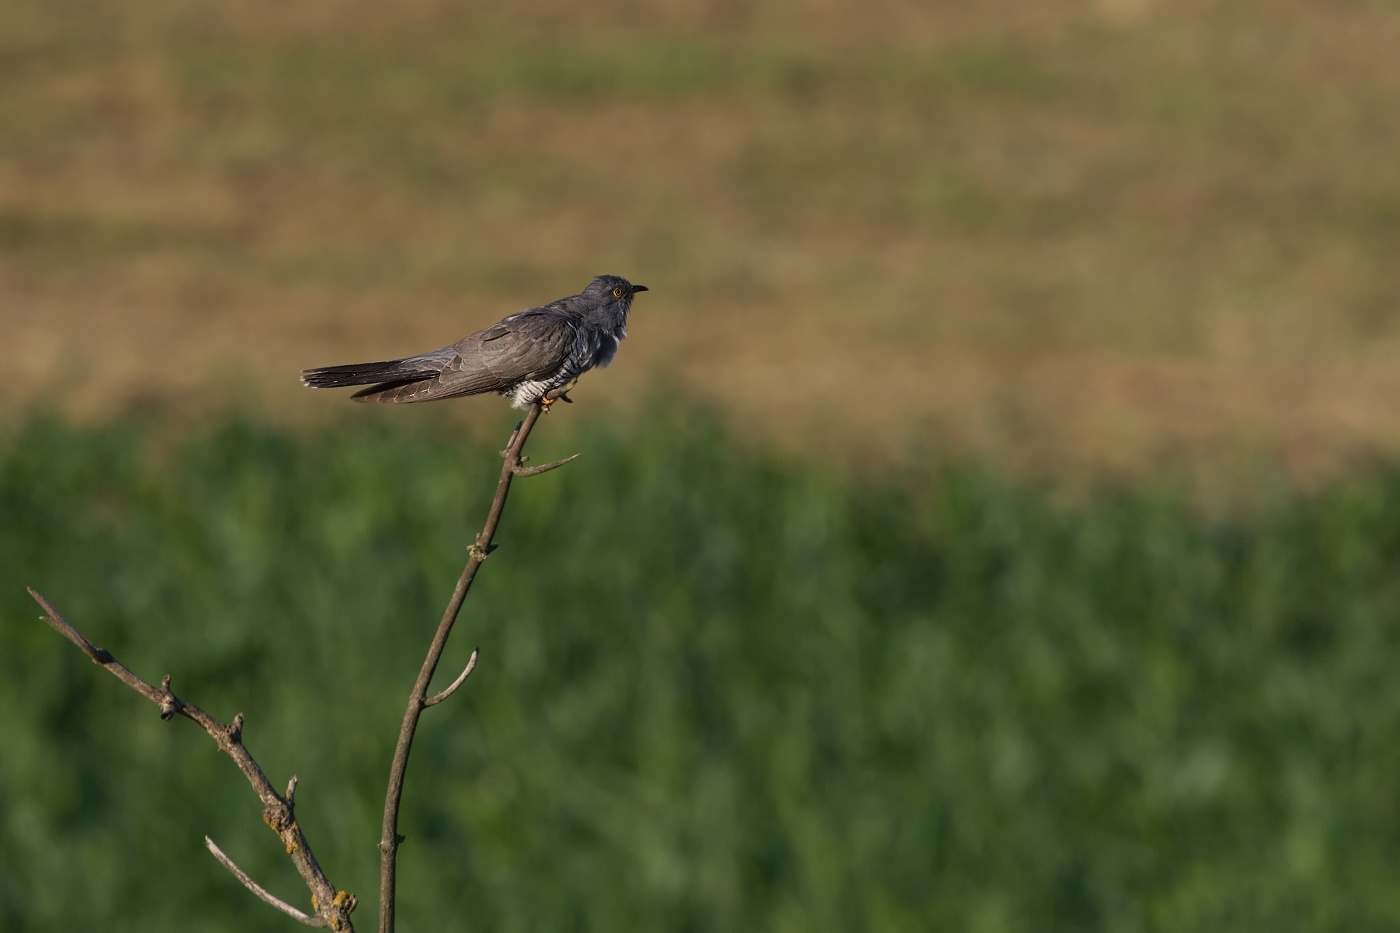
[556, 396]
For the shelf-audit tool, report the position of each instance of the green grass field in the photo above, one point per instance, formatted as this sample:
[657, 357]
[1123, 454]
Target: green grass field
[720, 689]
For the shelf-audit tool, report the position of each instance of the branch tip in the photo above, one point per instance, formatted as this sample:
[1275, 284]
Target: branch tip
[451, 688]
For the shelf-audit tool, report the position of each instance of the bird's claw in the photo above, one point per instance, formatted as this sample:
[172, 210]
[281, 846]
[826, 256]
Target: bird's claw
[550, 398]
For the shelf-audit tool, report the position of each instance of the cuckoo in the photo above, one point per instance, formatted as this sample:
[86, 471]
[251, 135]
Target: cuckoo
[535, 355]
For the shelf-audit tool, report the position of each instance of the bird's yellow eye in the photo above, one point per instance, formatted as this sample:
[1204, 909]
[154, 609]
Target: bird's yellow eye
[619, 291]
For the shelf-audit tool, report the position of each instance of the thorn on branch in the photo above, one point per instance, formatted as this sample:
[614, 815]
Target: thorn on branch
[291, 792]
[520, 470]
[169, 702]
[235, 729]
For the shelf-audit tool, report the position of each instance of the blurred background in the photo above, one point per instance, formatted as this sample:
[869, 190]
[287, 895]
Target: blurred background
[991, 522]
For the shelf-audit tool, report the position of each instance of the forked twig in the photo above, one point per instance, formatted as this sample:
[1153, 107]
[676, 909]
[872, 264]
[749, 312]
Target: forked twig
[332, 907]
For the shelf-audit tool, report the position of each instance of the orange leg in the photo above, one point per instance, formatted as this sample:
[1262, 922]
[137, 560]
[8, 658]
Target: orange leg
[560, 394]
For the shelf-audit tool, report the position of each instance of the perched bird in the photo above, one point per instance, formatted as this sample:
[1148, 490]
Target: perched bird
[535, 355]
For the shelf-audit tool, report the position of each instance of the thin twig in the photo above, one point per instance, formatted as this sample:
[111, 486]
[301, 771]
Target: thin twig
[262, 892]
[417, 699]
[437, 698]
[332, 906]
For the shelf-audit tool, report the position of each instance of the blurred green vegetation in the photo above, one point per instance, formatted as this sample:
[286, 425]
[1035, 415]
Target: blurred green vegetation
[719, 689]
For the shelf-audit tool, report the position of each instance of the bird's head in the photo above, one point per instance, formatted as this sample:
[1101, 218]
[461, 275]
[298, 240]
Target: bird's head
[612, 291]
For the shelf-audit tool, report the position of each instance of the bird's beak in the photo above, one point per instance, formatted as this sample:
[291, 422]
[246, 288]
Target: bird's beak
[639, 288]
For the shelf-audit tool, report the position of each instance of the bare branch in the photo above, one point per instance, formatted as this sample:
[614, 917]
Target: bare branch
[418, 698]
[262, 892]
[437, 698]
[333, 906]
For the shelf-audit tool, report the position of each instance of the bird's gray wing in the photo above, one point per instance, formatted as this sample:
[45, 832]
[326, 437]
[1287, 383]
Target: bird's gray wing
[528, 345]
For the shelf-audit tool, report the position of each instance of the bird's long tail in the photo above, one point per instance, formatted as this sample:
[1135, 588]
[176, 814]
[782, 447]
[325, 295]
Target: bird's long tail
[359, 374]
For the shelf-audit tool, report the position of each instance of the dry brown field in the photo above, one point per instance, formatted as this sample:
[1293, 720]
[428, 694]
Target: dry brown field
[1066, 235]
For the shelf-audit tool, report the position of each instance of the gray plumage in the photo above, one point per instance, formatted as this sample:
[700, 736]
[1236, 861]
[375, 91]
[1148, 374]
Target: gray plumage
[532, 356]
